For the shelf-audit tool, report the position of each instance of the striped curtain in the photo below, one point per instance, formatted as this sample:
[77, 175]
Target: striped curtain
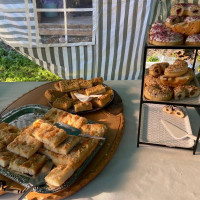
[120, 37]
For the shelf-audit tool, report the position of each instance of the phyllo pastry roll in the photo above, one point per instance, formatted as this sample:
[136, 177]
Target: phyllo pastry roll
[48, 134]
[66, 146]
[59, 175]
[99, 89]
[24, 145]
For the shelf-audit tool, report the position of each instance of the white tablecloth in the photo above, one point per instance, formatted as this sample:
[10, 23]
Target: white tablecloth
[145, 173]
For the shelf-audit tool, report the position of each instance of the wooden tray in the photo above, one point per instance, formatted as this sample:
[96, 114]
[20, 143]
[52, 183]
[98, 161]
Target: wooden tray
[111, 116]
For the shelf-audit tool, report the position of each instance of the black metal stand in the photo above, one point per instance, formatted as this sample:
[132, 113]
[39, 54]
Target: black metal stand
[196, 106]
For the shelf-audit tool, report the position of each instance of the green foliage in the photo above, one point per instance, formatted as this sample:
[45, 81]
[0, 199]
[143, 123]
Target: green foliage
[14, 67]
[152, 59]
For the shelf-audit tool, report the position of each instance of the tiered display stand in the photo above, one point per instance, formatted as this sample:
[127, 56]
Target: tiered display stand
[150, 130]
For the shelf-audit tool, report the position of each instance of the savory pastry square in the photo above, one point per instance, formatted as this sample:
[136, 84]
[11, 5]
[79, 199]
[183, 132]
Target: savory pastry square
[33, 164]
[78, 91]
[49, 134]
[66, 146]
[82, 106]
[8, 128]
[94, 129]
[109, 91]
[85, 83]
[99, 89]
[5, 158]
[16, 162]
[101, 101]
[74, 120]
[57, 159]
[97, 81]
[51, 95]
[59, 175]
[63, 102]
[24, 145]
[67, 85]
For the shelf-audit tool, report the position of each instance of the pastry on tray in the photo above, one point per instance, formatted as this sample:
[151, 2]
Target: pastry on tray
[101, 101]
[177, 111]
[98, 89]
[51, 94]
[82, 106]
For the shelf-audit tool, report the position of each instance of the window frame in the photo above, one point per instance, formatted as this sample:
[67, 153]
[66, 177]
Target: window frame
[65, 10]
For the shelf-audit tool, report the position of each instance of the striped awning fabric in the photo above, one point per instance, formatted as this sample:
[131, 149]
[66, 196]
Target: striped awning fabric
[120, 35]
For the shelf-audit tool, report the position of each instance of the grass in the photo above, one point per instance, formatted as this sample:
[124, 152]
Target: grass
[15, 67]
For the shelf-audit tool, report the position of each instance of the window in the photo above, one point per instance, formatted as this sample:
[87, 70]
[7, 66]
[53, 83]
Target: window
[65, 22]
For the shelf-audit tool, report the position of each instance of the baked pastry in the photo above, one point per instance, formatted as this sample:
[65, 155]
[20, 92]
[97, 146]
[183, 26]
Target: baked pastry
[178, 112]
[158, 93]
[97, 81]
[177, 81]
[68, 85]
[98, 89]
[16, 162]
[78, 91]
[193, 40]
[33, 164]
[192, 91]
[94, 129]
[168, 109]
[51, 95]
[109, 91]
[179, 93]
[101, 101]
[5, 158]
[158, 27]
[158, 69]
[82, 106]
[73, 120]
[166, 38]
[59, 175]
[85, 83]
[48, 134]
[185, 9]
[63, 102]
[24, 145]
[66, 146]
[57, 86]
[175, 70]
[151, 80]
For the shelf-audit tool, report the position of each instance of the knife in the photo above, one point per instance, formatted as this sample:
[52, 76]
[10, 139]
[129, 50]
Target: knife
[39, 179]
[176, 132]
[70, 130]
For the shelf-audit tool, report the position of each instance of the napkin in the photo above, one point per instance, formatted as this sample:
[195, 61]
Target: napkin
[84, 98]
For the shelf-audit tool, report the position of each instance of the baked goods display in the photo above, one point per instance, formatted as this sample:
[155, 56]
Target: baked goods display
[66, 95]
[175, 110]
[166, 82]
[181, 27]
[41, 141]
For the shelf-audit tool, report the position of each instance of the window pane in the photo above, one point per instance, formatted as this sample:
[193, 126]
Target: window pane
[79, 27]
[49, 4]
[79, 3]
[51, 27]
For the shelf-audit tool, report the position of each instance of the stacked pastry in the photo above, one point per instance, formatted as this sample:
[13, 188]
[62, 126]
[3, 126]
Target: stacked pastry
[64, 96]
[165, 82]
[183, 26]
[28, 151]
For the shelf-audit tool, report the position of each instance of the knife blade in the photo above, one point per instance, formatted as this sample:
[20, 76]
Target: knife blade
[39, 179]
[176, 132]
[70, 130]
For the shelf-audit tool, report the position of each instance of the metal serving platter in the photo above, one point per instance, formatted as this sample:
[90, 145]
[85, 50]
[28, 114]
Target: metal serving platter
[22, 117]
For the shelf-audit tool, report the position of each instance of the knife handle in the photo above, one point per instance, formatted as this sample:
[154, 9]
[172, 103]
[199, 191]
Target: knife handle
[26, 192]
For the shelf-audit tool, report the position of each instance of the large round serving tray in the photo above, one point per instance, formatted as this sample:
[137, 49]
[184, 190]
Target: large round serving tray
[111, 116]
